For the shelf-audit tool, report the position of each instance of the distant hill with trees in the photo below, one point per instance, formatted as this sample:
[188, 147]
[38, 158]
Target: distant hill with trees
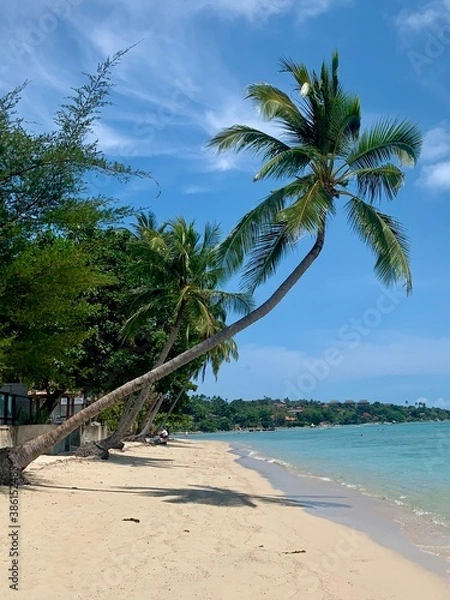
[209, 414]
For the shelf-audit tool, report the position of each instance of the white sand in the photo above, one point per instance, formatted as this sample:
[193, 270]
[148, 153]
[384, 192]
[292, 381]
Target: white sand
[208, 529]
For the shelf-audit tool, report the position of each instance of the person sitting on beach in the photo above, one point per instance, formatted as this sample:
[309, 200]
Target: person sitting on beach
[164, 436]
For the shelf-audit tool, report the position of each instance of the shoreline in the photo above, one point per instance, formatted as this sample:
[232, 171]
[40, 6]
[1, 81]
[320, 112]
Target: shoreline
[189, 521]
[377, 517]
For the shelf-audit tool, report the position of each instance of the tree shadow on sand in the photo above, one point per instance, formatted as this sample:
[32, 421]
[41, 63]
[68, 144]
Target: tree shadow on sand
[38, 479]
[216, 496]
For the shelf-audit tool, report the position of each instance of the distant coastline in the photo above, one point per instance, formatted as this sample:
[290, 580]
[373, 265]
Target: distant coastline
[212, 414]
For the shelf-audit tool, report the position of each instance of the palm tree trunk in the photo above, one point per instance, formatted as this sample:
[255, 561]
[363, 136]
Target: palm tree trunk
[146, 417]
[23, 455]
[151, 417]
[172, 406]
[134, 405]
[131, 411]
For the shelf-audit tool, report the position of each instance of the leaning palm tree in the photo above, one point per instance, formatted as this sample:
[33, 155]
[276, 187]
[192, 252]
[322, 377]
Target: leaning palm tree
[327, 161]
[178, 271]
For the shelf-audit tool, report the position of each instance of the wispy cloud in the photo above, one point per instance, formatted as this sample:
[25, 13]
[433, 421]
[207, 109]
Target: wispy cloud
[413, 21]
[432, 14]
[195, 189]
[437, 176]
[174, 84]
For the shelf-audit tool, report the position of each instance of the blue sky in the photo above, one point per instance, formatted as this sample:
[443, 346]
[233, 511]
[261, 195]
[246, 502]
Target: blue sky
[339, 334]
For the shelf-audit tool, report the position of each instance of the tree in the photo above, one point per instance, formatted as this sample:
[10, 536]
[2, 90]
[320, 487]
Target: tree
[43, 173]
[43, 311]
[177, 269]
[322, 147]
[44, 210]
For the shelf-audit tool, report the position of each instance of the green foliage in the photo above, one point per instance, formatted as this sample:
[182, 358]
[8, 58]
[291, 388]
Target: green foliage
[215, 414]
[43, 312]
[327, 158]
[50, 298]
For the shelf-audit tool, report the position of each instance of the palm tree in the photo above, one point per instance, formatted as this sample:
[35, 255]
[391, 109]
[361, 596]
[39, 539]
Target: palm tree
[327, 158]
[322, 149]
[178, 271]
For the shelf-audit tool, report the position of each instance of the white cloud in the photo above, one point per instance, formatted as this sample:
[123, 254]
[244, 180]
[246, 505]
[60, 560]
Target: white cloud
[308, 9]
[436, 176]
[174, 85]
[441, 403]
[195, 189]
[251, 9]
[436, 152]
[436, 144]
[413, 21]
[431, 15]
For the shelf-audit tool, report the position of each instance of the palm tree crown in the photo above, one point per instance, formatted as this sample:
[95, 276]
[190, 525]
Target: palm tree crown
[178, 270]
[327, 157]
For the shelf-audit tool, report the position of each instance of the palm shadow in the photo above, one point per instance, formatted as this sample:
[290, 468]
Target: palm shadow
[215, 496]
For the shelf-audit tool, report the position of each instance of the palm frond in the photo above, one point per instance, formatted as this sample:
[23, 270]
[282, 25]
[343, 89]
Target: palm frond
[242, 239]
[379, 181]
[384, 141]
[239, 302]
[298, 70]
[344, 123]
[275, 104]
[386, 238]
[272, 246]
[289, 163]
[242, 137]
[211, 236]
[308, 212]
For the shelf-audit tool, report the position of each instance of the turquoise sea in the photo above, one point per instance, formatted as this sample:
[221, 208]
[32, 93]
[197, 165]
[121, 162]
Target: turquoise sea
[407, 465]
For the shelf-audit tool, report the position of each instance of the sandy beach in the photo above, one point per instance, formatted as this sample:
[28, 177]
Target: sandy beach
[186, 521]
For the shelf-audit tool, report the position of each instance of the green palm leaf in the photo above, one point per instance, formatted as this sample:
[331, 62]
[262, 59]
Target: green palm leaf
[274, 104]
[242, 137]
[288, 163]
[321, 146]
[387, 139]
[380, 181]
[273, 244]
[233, 250]
[386, 237]
[307, 213]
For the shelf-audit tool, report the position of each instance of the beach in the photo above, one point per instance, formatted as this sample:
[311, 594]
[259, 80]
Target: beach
[188, 521]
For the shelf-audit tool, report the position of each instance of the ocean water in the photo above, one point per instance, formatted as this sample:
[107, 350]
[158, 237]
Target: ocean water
[406, 465]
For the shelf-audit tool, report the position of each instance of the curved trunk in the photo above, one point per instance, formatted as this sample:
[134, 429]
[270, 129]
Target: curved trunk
[145, 419]
[25, 454]
[134, 405]
[151, 417]
[131, 411]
